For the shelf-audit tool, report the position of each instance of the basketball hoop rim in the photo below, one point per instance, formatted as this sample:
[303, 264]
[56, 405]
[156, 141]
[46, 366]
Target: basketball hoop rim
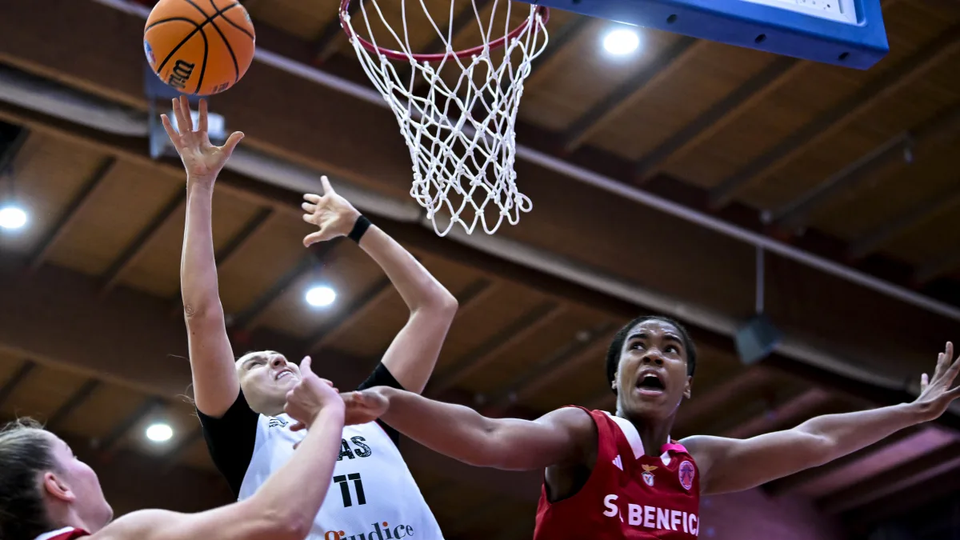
[542, 11]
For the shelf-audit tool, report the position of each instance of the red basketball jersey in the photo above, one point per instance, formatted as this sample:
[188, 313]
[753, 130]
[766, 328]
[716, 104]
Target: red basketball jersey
[629, 495]
[68, 533]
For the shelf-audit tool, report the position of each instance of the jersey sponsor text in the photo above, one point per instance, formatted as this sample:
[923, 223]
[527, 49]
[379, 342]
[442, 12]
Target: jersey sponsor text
[652, 517]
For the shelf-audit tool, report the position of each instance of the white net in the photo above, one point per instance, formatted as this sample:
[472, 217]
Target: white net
[457, 111]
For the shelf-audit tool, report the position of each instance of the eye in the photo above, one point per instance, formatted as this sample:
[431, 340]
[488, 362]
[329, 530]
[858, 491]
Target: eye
[636, 345]
[673, 349]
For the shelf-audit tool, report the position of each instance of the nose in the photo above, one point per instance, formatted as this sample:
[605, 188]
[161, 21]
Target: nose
[277, 362]
[653, 356]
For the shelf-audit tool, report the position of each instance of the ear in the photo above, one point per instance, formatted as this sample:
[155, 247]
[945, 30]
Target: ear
[687, 387]
[616, 381]
[56, 488]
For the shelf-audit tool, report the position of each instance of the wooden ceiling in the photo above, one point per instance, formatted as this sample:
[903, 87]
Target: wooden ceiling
[812, 155]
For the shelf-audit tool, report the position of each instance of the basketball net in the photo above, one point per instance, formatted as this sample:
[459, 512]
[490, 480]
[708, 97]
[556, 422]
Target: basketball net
[460, 126]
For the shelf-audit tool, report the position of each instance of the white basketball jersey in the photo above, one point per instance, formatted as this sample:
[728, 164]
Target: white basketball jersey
[372, 496]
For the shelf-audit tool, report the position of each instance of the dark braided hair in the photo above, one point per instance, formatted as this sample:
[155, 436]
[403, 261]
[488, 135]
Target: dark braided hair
[616, 346]
[25, 454]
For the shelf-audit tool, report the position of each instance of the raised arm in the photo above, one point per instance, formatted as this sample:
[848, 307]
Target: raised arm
[285, 506]
[818, 440]
[215, 380]
[413, 353]
[561, 437]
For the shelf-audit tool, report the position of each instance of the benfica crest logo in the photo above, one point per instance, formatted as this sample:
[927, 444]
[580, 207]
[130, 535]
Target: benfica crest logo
[686, 473]
[648, 474]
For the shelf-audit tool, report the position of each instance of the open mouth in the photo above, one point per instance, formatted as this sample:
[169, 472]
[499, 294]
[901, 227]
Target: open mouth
[650, 383]
[285, 373]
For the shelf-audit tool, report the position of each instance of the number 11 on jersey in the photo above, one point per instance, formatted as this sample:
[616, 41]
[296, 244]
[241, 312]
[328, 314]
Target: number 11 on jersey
[345, 488]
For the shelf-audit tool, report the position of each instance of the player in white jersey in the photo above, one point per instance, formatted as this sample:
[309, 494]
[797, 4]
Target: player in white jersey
[46, 493]
[373, 495]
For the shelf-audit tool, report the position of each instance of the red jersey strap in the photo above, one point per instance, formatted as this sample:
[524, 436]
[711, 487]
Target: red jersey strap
[68, 533]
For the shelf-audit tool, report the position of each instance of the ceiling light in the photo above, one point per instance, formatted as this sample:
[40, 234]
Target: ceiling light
[621, 41]
[159, 432]
[321, 296]
[12, 217]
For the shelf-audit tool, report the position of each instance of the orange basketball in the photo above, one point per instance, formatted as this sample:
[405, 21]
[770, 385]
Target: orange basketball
[199, 47]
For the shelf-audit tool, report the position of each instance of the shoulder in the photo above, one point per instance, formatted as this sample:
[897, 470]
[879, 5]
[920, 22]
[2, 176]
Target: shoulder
[138, 525]
[571, 417]
[576, 424]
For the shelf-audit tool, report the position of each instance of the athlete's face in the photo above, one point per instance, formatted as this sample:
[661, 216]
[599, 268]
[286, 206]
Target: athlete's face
[266, 377]
[74, 483]
[652, 377]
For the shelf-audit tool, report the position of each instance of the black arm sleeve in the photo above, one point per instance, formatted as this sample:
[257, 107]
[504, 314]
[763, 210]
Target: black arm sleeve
[231, 440]
[381, 376]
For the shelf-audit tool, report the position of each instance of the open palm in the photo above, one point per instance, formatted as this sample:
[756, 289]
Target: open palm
[938, 392]
[201, 159]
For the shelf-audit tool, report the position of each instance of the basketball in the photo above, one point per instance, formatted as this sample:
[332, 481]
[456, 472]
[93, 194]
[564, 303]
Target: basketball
[199, 47]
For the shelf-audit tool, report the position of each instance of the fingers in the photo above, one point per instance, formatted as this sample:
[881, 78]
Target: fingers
[185, 109]
[178, 114]
[172, 133]
[310, 197]
[202, 123]
[312, 238]
[327, 188]
[298, 427]
[309, 208]
[924, 381]
[232, 142]
[305, 365]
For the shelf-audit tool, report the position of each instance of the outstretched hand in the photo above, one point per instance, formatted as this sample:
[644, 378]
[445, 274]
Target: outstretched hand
[201, 159]
[364, 406]
[938, 392]
[333, 214]
[311, 395]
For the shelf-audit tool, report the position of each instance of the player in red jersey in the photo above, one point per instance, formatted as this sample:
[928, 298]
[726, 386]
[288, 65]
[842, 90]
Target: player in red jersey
[622, 476]
[46, 493]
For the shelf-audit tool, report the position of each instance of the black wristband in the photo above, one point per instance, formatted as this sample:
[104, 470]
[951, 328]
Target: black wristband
[359, 228]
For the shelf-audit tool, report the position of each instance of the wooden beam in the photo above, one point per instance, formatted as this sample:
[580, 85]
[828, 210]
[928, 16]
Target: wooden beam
[888, 482]
[561, 362]
[76, 400]
[632, 90]
[243, 236]
[840, 116]
[889, 230]
[796, 481]
[69, 216]
[136, 248]
[796, 214]
[793, 408]
[571, 358]
[230, 249]
[172, 457]
[14, 381]
[692, 412]
[559, 41]
[249, 318]
[10, 152]
[933, 505]
[937, 267]
[350, 315]
[716, 118]
[332, 35]
[474, 295]
[141, 413]
[529, 323]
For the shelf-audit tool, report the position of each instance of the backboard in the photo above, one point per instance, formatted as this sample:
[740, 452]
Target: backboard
[843, 32]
